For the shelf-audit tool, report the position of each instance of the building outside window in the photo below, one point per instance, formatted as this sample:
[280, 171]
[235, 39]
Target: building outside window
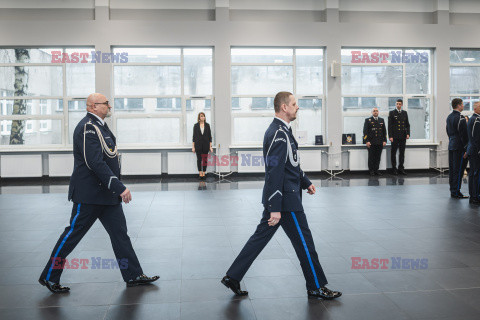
[377, 78]
[46, 78]
[257, 74]
[159, 92]
[465, 77]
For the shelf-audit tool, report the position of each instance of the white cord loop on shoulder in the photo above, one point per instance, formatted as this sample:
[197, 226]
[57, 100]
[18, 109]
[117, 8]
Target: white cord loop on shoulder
[105, 149]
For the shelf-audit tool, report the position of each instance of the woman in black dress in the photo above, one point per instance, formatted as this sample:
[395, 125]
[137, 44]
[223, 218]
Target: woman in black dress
[202, 143]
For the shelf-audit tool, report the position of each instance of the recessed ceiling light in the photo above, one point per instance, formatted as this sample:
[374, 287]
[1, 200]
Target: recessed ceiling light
[469, 59]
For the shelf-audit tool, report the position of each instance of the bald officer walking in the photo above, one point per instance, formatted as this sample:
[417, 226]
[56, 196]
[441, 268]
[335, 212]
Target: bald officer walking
[282, 200]
[97, 193]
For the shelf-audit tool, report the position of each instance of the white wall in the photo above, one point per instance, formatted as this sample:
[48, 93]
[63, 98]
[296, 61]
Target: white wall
[438, 33]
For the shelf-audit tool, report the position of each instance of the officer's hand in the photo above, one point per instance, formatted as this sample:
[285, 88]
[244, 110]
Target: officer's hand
[465, 155]
[408, 136]
[193, 150]
[391, 139]
[384, 143]
[274, 218]
[211, 149]
[126, 196]
[311, 189]
[368, 144]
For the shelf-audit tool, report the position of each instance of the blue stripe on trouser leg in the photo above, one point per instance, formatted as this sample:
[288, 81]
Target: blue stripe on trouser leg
[460, 175]
[306, 249]
[63, 242]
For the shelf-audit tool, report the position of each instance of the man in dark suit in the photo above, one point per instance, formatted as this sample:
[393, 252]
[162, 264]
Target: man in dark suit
[97, 193]
[457, 147]
[398, 133]
[473, 149]
[375, 137]
[282, 200]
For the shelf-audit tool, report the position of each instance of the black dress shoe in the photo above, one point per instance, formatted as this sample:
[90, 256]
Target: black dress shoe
[378, 173]
[372, 173]
[53, 287]
[402, 171]
[233, 285]
[141, 279]
[394, 171]
[324, 293]
[461, 196]
[474, 201]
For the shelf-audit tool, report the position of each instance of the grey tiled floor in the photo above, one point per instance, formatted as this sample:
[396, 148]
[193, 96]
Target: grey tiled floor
[189, 237]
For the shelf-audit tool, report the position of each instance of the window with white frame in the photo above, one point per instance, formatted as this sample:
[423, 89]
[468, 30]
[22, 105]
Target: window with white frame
[257, 74]
[34, 85]
[377, 78]
[159, 92]
[465, 77]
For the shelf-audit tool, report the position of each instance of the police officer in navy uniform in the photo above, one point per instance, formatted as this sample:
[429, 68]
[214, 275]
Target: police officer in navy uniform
[473, 149]
[282, 200]
[398, 133]
[457, 147]
[97, 193]
[375, 137]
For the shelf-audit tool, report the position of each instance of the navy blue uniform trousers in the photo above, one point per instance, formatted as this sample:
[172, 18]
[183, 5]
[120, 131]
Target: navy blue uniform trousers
[473, 176]
[83, 217]
[456, 167]
[296, 227]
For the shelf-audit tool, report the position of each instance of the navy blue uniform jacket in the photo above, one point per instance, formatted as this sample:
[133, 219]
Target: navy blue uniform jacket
[284, 180]
[457, 131]
[473, 129]
[96, 173]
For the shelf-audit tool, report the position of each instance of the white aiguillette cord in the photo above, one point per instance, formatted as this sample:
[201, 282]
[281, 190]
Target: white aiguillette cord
[106, 150]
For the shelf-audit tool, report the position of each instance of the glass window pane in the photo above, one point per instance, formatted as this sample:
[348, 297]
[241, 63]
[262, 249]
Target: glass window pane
[34, 132]
[250, 129]
[465, 80]
[419, 118]
[467, 102]
[267, 80]
[464, 56]
[261, 55]
[31, 107]
[147, 80]
[80, 76]
[169, 104]
[197, 106]
[354, 125]
[372, 80]
[366, 104]
[128, 104]
[309, 118]
[417, 71]
[153, 55]
[146, 130]
[254, 104]
[198, 71]
[39, 81]
[309, 68]
[374, 56]
[76, 111]
[28, 55]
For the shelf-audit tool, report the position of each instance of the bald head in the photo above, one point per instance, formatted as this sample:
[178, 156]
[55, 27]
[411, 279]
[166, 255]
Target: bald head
[476, 107]
[375, 112]
[97, 104]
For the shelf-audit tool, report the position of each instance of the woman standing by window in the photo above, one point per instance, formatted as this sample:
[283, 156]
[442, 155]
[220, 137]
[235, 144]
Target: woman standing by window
[202, 143]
